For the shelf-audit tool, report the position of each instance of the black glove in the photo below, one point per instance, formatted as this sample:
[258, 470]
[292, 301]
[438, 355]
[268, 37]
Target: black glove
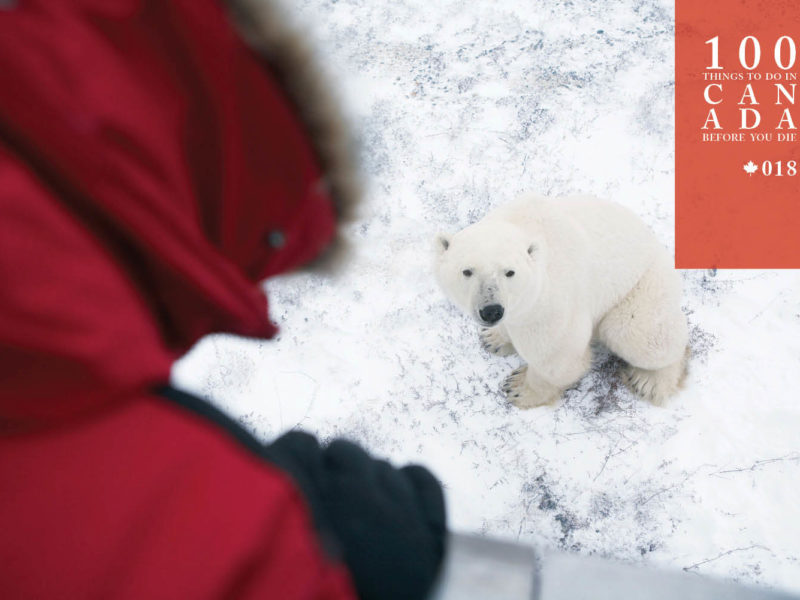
[389, 523]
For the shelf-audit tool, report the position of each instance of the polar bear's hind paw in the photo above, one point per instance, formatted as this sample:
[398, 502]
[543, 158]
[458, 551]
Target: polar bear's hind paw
[658, 385]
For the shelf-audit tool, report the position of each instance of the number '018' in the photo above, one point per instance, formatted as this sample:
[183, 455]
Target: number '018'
[750, 53]
[769, 168]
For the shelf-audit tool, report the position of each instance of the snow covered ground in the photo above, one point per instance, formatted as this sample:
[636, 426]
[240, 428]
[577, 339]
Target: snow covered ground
[460, 107]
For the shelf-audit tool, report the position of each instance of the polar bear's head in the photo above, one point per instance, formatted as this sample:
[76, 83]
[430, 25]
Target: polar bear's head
[492, 270]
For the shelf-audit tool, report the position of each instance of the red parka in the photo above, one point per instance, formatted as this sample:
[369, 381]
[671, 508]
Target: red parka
[152, 171]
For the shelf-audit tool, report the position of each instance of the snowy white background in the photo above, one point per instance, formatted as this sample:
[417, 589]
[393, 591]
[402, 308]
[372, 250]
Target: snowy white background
[460, 106]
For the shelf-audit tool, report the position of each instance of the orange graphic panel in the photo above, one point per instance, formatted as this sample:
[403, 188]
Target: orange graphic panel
[737, 156]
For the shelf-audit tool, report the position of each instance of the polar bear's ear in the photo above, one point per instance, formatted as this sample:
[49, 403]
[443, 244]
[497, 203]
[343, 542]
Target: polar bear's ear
[442, 242]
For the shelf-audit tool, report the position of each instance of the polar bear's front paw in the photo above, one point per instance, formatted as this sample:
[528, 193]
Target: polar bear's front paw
[523, 395]
[496, 342]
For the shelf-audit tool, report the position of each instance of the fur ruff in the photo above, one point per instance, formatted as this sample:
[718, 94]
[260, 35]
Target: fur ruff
[265, 26]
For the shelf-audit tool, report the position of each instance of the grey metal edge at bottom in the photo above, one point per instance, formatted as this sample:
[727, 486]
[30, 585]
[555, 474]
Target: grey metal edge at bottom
[479, 568]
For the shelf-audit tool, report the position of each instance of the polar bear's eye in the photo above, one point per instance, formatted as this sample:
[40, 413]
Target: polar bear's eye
[509, 273]
[467, 272]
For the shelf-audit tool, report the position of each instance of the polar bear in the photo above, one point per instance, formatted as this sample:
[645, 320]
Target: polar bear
[545, 277]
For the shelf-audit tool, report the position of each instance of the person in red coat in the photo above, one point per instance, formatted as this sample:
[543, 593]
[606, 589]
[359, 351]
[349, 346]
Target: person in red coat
[158, 159]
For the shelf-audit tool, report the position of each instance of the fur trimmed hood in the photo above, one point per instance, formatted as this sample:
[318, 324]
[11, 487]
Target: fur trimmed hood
[265, 26]
[155, 170]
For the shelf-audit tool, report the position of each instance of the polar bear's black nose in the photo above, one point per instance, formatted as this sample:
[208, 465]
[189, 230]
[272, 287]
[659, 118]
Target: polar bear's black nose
[491, 313]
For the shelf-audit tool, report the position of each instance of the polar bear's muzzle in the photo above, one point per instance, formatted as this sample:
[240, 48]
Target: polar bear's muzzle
[491, 313]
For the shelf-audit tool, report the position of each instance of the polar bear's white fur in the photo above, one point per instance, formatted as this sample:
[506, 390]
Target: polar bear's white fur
[547, 276]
